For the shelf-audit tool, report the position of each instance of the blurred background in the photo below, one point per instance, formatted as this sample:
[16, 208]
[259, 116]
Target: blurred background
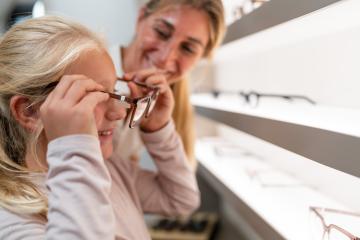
[260, 169]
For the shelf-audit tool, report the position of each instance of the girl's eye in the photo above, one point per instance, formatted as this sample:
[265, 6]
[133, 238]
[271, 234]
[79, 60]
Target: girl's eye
[162, 34]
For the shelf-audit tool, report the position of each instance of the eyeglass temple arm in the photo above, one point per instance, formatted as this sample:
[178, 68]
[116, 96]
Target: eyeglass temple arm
[282, 96]
[335, 211]
[124, 100]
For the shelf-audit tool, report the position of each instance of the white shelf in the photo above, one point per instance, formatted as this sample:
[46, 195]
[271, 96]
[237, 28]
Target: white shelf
[276, 212]
[330, 136]
[271, 14]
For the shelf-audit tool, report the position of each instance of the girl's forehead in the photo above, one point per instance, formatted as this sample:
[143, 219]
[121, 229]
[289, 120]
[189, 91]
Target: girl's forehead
[96, 65]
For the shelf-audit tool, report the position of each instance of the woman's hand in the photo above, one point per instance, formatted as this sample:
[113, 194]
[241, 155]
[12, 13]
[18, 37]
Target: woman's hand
[69, 108]
[161, 114]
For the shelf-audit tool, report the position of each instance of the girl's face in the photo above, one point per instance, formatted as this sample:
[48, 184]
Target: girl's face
[98, 66]
[173, 39]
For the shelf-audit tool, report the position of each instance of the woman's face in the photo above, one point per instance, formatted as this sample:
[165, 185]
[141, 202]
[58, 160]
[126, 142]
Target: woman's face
[99, 67]
[173, 39]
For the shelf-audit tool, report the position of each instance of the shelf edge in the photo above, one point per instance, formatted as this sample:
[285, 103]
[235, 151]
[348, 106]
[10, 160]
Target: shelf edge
[336, 150]
[271, 14]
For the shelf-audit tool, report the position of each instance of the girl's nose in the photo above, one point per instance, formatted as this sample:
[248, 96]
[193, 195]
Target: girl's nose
[115, 111]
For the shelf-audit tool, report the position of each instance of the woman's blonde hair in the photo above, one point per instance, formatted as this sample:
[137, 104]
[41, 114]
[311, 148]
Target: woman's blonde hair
[33, 54]
[183, 112]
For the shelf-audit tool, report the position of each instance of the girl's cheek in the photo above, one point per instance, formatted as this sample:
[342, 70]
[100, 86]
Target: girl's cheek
[99, 114]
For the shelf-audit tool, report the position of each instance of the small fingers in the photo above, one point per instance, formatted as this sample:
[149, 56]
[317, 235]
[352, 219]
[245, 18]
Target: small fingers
[64, 84]
[80, 88]
[91, 100]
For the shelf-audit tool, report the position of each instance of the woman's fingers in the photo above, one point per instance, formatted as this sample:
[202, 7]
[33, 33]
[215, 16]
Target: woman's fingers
[143, 74]
[159, 81]
[135, 90]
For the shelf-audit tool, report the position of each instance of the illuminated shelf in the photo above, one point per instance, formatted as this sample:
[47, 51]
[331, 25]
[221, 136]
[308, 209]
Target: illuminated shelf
[329, 136]
[276, 212]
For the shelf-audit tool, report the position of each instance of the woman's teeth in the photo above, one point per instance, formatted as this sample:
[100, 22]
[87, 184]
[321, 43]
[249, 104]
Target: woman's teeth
[105, 133]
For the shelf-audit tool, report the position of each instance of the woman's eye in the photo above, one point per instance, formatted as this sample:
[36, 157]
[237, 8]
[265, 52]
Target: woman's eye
[162, 34]
[188, 49]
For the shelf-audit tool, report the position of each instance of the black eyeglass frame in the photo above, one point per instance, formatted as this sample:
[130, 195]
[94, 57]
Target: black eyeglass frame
[247, 96]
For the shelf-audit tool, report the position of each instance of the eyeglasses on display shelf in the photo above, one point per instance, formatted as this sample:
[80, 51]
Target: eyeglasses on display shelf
[253, 165]
[321, 229]
[252, 98]
[272, 178]
[234, 150]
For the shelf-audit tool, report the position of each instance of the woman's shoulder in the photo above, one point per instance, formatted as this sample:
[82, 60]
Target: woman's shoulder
[14, 226]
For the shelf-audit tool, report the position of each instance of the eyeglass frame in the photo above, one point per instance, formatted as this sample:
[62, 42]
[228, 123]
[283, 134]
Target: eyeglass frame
[247, 95]
[328, 227]
[126, 101]
[133, 102]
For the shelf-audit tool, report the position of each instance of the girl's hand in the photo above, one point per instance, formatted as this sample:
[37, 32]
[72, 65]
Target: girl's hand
[69, 108]
[161, 114]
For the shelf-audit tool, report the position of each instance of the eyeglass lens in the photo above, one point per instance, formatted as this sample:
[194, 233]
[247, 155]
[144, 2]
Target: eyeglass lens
[152, 103]
[140, 109]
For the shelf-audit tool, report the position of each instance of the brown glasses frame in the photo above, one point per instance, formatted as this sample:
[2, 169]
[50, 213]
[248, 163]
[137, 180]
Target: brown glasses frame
[133, 102]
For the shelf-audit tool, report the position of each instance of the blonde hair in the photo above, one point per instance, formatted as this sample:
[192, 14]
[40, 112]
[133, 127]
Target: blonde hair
[33, 54]
[183, 112]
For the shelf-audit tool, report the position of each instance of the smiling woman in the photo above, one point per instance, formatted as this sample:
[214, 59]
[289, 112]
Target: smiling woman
[172, 36]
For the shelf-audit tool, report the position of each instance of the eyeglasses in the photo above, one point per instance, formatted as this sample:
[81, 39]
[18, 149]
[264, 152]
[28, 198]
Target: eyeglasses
[139, 107]
[253, 97]
[323, 231]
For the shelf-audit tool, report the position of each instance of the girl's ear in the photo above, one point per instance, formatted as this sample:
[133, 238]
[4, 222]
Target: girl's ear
[25, 114]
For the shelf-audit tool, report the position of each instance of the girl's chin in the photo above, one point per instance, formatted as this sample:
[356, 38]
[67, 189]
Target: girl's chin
[106, 150]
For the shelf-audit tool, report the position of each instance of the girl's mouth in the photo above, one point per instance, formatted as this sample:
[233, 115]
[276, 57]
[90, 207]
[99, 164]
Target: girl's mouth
[105, 133]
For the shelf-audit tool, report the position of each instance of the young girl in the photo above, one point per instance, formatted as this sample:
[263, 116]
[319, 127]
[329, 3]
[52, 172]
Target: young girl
[57, 177]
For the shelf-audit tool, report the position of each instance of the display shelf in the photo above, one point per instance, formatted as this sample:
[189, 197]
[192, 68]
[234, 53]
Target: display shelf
[330, 136]
[271, 14]
[275, 211]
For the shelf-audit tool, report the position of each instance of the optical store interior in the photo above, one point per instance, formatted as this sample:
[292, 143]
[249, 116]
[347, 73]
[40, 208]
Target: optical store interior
[276, 116]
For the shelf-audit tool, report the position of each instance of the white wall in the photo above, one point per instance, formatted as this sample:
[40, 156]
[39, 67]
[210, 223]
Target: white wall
[317, 55]
[5, 6]
[113, 18]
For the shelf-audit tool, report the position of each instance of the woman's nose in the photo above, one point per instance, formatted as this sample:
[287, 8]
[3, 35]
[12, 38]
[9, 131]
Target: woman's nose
[115, 111]
[167, 57]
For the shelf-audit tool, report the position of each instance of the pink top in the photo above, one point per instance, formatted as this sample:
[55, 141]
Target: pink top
[93, 199]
